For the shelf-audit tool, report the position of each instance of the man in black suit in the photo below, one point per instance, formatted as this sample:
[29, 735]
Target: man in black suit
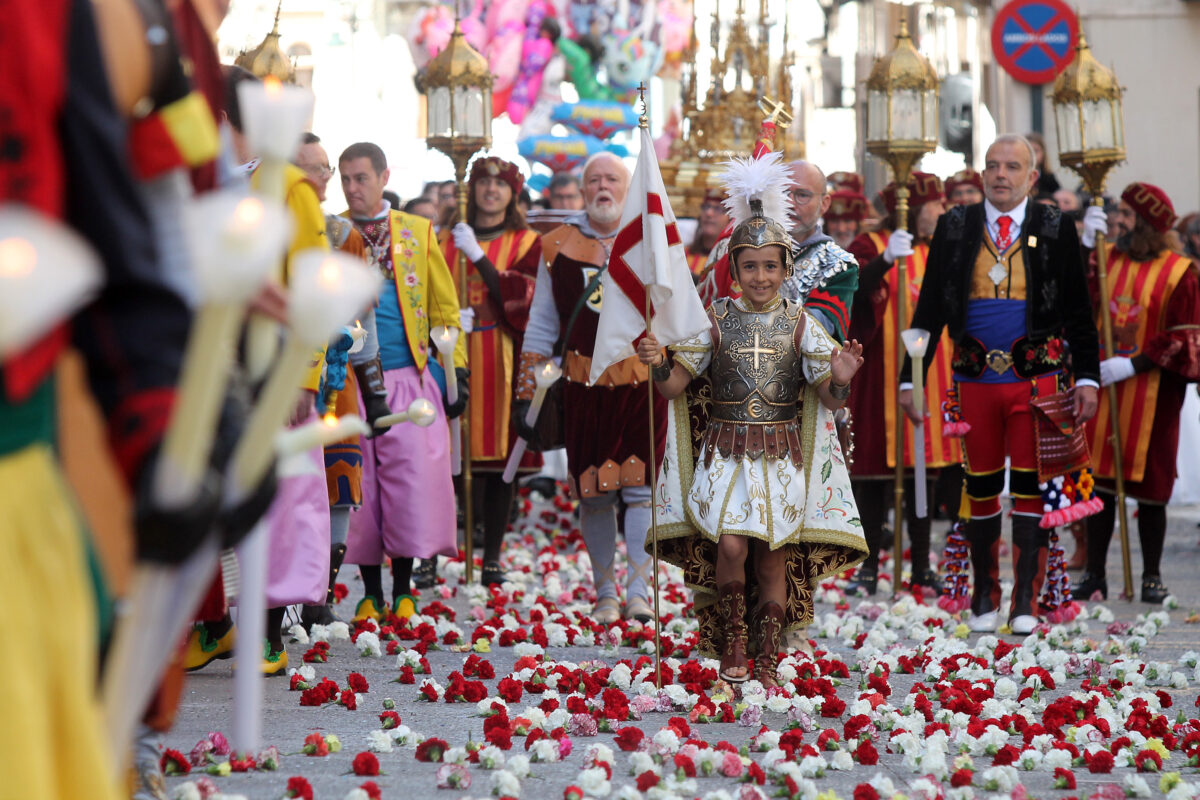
[1006, 277]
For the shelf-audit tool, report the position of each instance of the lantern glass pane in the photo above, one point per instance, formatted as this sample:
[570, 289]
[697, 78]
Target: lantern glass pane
[1098, 125]
[468, 111]
[906, 115]
[930, 107]
[439, 112]
[877, 116]
[1118, 124]
[1066, 118]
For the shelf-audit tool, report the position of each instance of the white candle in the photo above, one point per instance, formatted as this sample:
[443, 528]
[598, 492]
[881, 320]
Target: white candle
[445, 339]
[916, 342]
[420, 413]
[274, 116]
[233, 241]
[545, 378]
[326, 290]
[46, 272]
[319, 433]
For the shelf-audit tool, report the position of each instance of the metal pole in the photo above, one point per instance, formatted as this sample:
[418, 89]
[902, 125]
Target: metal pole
[1114, 417]
[460, 172]
[654, 522]
[901, 324]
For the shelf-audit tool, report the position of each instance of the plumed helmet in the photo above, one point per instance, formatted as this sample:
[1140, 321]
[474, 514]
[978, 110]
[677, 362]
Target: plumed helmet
[758, 205]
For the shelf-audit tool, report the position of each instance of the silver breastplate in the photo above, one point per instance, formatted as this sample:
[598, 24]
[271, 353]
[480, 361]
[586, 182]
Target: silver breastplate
[756, 373]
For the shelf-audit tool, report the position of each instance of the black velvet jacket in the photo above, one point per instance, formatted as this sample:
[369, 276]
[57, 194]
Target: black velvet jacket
[1057, 302]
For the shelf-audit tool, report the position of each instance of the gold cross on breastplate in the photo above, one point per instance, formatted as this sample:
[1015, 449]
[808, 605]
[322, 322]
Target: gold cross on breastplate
[757, 350]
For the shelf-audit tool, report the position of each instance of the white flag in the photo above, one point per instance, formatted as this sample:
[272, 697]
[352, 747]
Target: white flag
[647, 262]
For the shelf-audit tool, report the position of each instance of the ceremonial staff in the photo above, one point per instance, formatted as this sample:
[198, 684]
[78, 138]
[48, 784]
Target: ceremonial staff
[902, 113]
[458, 92]
[1091, 141]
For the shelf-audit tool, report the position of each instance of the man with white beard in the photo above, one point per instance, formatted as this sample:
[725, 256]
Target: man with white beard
[606, 425]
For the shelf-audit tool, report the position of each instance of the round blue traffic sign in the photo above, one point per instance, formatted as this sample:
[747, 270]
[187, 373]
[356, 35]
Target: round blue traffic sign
[1034, 40]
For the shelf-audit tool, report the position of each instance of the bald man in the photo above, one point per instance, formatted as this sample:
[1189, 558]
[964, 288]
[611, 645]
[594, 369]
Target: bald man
[826, 276]
[606, 425]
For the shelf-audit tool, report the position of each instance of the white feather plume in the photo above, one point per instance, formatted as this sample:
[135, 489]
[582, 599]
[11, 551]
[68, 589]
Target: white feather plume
[764, 179]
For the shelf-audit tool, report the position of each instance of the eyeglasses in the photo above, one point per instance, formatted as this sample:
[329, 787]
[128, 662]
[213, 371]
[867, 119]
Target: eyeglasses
[320, 170]
[801, 197]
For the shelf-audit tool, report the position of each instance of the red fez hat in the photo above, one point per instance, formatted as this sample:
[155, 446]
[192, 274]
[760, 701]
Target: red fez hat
[715, 194]
[962, 177]
[1151, 204]
[845, 204]
[849, 181]
[923, 188]
[496, 167]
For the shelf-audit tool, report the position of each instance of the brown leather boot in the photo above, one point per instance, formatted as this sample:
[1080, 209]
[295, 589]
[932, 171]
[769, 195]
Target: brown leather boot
[769, 619]
[731, 606]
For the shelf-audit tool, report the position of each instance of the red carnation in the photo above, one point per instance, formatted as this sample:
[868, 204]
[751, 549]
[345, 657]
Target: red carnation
[315, 745]
[865, 791]
[510, 690]
[389, 720]
[242, 763]
[1063, 778]
[431, 749]
[348, 699]
[372, 789]
[358, 683]
[646, 781]
[1099, 762]
[629, 738]
[833, 706]
[685, 764]
[867, 755]
[366, 764]
[962, 777]
[1148, 761]
[572, 793]
[298, 787]
[174, 762]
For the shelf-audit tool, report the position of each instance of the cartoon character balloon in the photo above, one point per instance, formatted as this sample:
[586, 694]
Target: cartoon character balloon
[541, 32]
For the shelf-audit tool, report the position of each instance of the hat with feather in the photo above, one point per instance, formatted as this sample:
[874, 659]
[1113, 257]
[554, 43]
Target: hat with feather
[758, 205]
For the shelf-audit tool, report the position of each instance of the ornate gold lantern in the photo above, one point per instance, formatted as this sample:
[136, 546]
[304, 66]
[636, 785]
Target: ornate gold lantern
[458, 94]
[902, 126]
[1090, 125]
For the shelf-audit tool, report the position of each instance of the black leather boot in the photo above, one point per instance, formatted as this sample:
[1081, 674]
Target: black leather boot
[374, 393]
[983, 536]
[1029, 539]
[323, 614]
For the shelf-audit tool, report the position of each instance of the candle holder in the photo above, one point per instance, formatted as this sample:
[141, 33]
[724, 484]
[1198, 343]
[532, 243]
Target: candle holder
[46, 272]
[544, 378]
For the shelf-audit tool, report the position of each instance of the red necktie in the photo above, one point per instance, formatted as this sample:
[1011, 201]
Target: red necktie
[1005, 238]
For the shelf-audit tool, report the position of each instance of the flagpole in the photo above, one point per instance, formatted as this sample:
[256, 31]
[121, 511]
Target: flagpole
[643, 123]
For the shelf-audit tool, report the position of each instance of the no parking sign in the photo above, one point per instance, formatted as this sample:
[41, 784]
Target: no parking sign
[1034, 40]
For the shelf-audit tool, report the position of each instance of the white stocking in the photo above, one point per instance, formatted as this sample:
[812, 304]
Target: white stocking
[637, 528]
[598, 524]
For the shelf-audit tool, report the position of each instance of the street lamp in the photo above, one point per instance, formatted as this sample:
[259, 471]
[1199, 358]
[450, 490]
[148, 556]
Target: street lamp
[1090, 126]
[902, 126]
[458, 92]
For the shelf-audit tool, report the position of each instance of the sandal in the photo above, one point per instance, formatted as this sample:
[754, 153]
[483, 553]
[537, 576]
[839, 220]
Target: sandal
[731, 605]
[606, 611]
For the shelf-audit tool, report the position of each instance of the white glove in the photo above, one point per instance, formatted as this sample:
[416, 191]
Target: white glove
[1094, 221]
[1115, 370]
[465, 241]
[466, 319]
[899, 244]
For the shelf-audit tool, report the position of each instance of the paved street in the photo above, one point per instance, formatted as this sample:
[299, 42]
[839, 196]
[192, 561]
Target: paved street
[207, 698]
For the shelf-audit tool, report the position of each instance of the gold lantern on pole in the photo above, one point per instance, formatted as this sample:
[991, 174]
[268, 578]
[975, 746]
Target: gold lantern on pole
[902, 126]
[458, 93]
[1090, 126]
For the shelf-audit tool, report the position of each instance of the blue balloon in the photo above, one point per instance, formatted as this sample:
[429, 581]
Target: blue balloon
[565, 153]
[597, 118]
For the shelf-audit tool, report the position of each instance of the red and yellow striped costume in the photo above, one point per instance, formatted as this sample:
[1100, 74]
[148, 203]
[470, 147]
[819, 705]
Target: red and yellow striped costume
[1155, 315]
[496, 339]
[874, 324]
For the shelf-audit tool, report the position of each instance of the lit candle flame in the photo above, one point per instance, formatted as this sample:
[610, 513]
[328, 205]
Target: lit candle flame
[273, 85]
[548, 370]
[330, 273]
[249, 212]
[17, 257]
[330, 419]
